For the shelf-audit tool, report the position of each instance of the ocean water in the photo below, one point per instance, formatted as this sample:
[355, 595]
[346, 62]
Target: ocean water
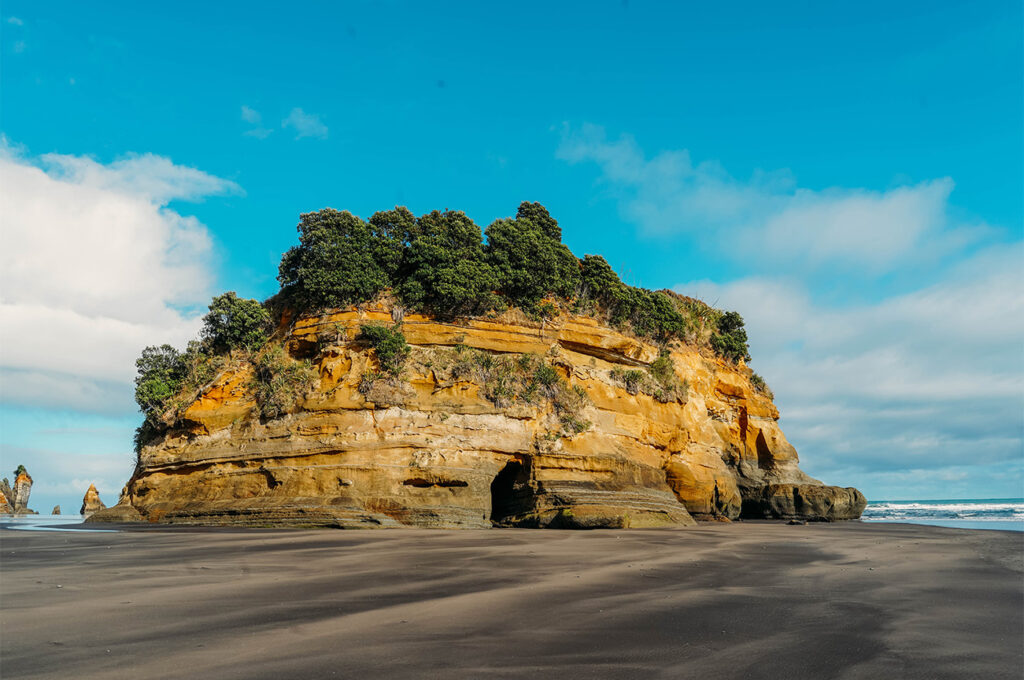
[973, 513]
[47, 523]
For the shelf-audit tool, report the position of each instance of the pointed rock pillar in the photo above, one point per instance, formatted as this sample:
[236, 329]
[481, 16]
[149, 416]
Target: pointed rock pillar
[92, 503]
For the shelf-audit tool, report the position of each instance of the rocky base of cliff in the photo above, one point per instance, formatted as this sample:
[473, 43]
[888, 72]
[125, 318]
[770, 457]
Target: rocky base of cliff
[804, 501]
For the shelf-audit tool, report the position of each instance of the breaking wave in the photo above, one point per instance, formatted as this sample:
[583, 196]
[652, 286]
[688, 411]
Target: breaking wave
[980, 510]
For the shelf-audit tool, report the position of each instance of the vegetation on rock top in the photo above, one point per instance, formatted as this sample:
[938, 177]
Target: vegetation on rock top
[439, 264]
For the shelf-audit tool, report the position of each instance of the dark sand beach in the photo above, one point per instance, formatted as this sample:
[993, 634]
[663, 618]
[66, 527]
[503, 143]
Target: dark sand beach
[743, 600]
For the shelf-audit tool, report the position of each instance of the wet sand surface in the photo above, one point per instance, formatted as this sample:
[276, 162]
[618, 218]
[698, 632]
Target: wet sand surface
[743, 600]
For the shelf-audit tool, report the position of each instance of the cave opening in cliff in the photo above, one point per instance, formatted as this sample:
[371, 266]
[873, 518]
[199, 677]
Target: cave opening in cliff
[503, 491]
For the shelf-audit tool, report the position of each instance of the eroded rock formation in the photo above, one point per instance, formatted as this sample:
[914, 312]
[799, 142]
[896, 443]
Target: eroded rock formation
[15, 500]
[442, 447]
[91, 503]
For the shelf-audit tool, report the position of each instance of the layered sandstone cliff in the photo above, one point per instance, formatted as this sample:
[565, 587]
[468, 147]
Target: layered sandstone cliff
[444, 446]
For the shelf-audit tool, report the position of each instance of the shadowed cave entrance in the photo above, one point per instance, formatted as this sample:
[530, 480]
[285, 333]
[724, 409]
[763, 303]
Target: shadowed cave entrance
[503, 494]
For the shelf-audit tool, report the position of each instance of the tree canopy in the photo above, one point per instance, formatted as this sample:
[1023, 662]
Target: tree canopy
[160, 373]
[234, 322]
[335, 264]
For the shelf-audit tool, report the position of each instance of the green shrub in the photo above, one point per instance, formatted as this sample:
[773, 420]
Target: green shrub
[730, 338]
[659, 380]
[389, 344]
[760, 385]
[367, 380]
[662, 368]
[546, 375]
[508, 380]
[166, 382]
[631, 380]
[234, 323]
[160, 373]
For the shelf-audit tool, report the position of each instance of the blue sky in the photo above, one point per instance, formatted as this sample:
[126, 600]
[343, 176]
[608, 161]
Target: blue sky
[848, 177]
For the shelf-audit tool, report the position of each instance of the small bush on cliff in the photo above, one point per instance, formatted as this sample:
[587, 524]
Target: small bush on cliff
[632, 380]
[760, 385]
[659, 380]
[651, 314]
[280, 381]
[390, 345]
[235, 323]
[730, 339]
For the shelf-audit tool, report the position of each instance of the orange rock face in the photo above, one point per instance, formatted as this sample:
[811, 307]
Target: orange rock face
[438, 448]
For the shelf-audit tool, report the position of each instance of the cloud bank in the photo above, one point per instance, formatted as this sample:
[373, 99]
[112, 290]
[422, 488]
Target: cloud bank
[769, 216]
[93, 267]
[916, 392]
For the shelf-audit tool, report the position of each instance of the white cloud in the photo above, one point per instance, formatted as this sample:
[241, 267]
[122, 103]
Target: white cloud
[305, 124]
[251, 115]
[768, 216]
[921, 381]
[93, 267]
[15, 21]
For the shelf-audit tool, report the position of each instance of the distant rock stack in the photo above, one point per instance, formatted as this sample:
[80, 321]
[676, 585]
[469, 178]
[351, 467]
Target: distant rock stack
[6, 496]
[92, 503]
[14, 501]
[56, 510]
[22, 490]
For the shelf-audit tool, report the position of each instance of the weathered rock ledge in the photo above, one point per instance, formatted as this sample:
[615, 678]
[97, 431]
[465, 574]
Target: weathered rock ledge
[433, 450]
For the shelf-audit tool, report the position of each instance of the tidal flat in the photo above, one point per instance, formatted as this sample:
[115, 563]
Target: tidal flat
[716, 601]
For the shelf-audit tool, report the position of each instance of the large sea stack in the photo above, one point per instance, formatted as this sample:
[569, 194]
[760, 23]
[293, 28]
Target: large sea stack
[411, 372]
[448, 444]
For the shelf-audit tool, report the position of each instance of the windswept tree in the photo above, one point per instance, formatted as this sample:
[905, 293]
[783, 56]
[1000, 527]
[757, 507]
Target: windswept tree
[160, 371]
[529, 259]
[540, 216]
[393, 231]
[599, 281]
[445, 271]
[234, 323]
[730, 340]
[335, 263]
